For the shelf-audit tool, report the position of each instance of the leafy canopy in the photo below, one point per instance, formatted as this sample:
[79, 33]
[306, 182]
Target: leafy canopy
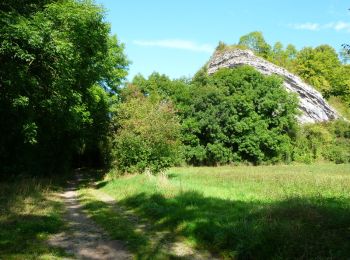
[147, 133]
[59, 63]
[239, 115]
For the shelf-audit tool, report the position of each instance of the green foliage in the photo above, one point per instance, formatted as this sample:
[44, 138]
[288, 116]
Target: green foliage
[235, 115]
[320, 67]
[94, 144]
[239, 115]
[225, 47]
[342, 86]
[324, 141]
[346, 48]
[161, 87]
[221, 46]
[291, 51]
[60, 91]
[256, 42]
[147, 133]
[283, 57]
[58, 61]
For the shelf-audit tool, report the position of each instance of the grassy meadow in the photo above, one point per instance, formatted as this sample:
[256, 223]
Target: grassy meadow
[239, 212]
[29, 212]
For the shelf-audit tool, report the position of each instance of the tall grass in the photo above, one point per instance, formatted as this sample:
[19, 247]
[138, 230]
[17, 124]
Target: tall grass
[300, 211]
[29, 213]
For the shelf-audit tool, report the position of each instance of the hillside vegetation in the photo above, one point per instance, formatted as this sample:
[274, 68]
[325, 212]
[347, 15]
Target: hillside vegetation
[322, 67]
[66, 104]
[240, 116]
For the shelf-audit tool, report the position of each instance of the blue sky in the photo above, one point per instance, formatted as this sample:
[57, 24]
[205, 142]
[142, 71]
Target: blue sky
[177, 37]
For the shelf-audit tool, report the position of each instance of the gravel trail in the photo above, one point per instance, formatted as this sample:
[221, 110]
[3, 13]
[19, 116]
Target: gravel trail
[84, 239]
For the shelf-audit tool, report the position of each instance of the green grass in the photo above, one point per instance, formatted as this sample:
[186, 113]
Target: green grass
[141, 238]
[265, 212]
[29, 213]
[121, 226]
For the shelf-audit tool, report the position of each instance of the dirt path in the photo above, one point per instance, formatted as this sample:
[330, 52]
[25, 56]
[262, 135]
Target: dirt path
[84, 239]
[177, 249]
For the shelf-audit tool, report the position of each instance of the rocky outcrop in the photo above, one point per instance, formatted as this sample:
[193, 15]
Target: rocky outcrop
[313, 106]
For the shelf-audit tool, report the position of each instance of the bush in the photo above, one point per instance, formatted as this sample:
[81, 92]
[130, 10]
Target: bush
[147, 134]
[323, 141]
[239, 115]
[337, 152]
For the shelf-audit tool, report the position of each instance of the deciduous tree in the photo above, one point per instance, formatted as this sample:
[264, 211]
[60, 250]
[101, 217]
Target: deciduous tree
[58, 64]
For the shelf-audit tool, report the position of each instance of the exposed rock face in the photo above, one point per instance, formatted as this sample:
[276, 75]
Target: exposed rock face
[313, 106]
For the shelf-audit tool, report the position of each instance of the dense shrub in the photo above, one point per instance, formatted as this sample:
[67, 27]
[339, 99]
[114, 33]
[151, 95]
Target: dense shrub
[58, 66]
[323, 141]
[147, 134]
[239, 115]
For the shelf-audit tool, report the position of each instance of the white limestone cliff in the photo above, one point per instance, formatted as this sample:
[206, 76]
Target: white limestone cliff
[313, 106]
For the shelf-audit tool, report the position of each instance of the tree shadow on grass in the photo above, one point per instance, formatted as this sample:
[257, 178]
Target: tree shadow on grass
[132, 231]
[292, 228]
[24, 230]
[26, 235]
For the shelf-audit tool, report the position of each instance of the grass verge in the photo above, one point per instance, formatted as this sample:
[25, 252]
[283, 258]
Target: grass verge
[29, 213]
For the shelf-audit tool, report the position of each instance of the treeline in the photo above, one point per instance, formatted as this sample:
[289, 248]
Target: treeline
[62, 104]
[60, 69]
[238, 116]
[322, 67]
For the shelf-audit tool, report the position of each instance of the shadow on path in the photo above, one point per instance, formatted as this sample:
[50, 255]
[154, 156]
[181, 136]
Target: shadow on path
[84, 239]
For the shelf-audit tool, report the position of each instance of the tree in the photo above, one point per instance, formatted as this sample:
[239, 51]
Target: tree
[283, 57]
[291, 52]
[342, 89]
[239, 115]
[147, 133]
[321, 68]
[59, 65]
[256, 42]
[159, 86]
[277, 49]
[278, 55]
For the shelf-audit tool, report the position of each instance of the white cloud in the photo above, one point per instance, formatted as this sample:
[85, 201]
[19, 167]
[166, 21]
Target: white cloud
[337, 26]
[340, 26]
[177, 44]
[306, 26]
